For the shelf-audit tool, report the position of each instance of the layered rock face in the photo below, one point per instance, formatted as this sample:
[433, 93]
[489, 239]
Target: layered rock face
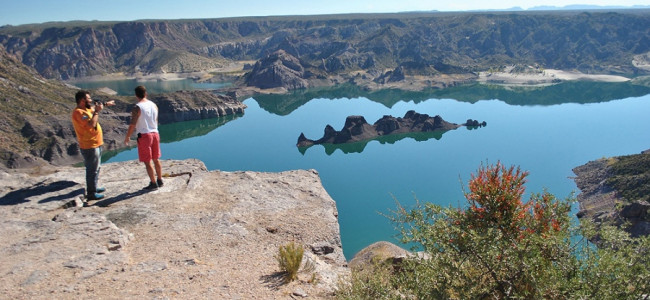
[357, 129]
[195, 105]
[603, 204]
[409, 44]
[55, 140]
[277, 70]
[202, 235]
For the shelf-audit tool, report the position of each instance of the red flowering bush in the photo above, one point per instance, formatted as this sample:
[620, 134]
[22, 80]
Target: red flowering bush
[500, 247]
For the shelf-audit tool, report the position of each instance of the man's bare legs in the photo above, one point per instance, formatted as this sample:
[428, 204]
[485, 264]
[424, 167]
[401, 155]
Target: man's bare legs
[156, 163]
[154, 184]
[150, 171]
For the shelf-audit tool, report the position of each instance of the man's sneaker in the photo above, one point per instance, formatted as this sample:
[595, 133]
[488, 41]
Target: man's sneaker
[151, 187]
[100, 190]
[95, 196]
[159, 182]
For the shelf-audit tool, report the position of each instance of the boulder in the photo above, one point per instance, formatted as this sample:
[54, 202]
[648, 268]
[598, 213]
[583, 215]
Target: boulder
[378, 252]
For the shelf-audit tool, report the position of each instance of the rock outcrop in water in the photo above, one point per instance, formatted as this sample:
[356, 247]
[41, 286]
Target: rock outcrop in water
[195, 105]
[357, 129]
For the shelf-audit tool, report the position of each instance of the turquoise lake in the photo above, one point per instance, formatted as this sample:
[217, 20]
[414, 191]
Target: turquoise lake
[546, 131]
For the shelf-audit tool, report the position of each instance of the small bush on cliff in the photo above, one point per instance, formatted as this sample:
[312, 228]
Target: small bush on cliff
[499, 247]
[289, 258]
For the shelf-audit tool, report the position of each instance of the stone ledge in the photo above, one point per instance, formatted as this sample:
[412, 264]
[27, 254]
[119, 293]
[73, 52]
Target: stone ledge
[204, 234]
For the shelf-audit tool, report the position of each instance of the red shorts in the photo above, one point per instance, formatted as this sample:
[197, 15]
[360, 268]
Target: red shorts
[148, 146]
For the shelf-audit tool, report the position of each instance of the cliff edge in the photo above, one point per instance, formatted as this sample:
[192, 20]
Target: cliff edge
[204, 234]
[616, 191]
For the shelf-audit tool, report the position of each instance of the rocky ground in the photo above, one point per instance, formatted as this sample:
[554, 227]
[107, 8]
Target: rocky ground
[203, 235]
[595, 197]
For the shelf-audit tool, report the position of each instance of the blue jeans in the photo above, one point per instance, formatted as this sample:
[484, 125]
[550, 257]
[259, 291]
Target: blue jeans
[92, 160]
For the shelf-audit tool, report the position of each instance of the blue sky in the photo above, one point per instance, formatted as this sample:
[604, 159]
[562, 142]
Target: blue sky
[17, 12]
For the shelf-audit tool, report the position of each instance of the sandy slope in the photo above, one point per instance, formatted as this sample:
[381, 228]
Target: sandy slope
[545, 77]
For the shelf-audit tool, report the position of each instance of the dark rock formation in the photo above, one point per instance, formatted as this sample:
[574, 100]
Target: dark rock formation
[357, 129]
[195, 105]
[475, 123]
[278, 70]
[603, 203]
[392, 76]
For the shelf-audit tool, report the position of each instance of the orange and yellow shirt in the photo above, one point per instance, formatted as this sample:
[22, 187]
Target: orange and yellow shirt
[88, 137]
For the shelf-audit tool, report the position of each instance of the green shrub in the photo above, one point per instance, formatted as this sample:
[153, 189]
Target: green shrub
[500, 247]
[630, 177]
[289, 258]
[375, 282]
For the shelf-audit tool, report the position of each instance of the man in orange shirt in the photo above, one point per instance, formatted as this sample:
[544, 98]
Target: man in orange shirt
[85, 119]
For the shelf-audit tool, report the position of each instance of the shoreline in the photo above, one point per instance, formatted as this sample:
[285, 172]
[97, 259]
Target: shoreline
[232, 68]
[538, 78]
[138, 77]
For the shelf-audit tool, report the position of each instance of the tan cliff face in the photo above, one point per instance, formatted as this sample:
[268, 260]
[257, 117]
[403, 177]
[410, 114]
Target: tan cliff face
[424, 44]
[203, 235]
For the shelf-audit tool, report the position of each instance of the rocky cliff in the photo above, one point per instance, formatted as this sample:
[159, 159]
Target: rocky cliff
[357, 129]
[203, 235]
[195, 105]
[370, 45]
[616, 191]
[278, 70]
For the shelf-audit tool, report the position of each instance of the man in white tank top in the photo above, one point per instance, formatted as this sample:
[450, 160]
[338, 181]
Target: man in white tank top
[144, 121]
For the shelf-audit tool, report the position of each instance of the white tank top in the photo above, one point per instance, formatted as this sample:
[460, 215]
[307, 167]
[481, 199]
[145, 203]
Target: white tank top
[148, 120]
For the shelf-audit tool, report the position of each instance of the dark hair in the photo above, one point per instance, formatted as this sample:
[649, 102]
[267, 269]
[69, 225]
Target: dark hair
[80, 95]
[140, 91]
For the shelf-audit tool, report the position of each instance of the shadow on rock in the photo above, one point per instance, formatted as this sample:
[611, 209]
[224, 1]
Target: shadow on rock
[78, 192]
[108, 201]
[23, 195]
[273, 281]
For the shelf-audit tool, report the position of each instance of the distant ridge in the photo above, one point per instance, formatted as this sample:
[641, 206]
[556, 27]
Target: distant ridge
[567, 7]
[348, 47]
[588, 7]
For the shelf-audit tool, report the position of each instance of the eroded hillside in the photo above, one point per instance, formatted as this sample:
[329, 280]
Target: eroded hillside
[419, 43]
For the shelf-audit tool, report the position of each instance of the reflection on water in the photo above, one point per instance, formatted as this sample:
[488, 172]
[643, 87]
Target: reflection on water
[358, 147]
[177, 132]
[581, 92]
